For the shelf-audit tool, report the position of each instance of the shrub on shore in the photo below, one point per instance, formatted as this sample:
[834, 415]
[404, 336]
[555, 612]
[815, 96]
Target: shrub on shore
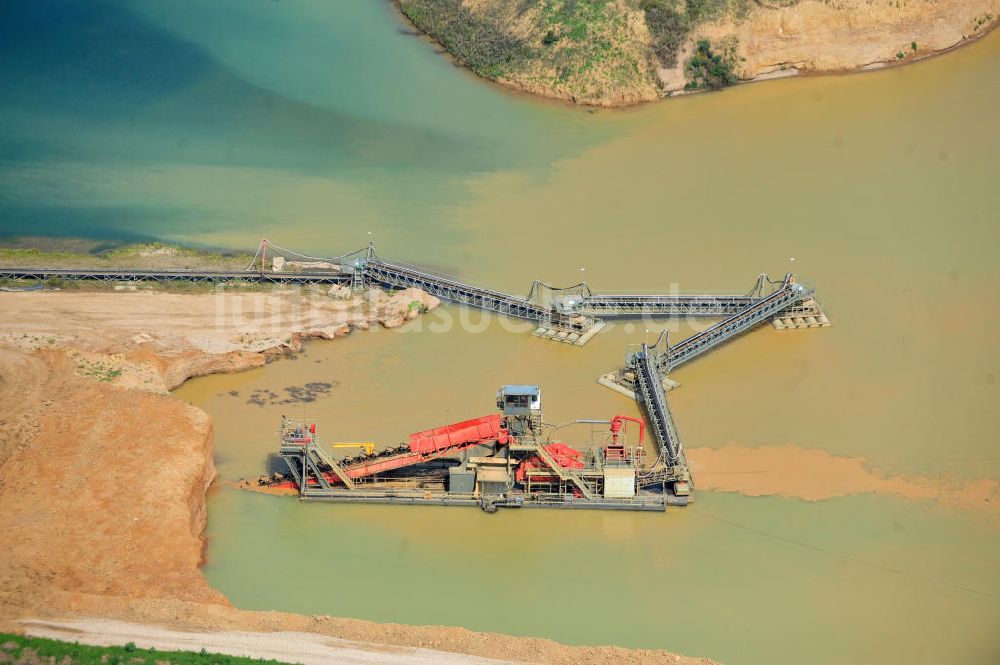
[711, 69]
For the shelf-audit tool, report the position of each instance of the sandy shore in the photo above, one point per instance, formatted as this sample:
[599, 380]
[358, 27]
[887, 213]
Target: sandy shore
[103, 472]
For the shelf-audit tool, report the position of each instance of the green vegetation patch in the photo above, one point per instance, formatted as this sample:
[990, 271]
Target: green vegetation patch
[22, 650]
[152, 255]
[30, 255]
[712, 68]
[981, 21]
[478, 41]
[97, 370]
[587, 43]
[574, 19]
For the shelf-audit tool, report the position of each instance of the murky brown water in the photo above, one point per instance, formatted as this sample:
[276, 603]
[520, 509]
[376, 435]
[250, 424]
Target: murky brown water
[881, 188]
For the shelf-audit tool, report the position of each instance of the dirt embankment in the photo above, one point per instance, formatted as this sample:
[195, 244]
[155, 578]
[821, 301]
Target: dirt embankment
[621, 52]
[103, 473]
[845, 35]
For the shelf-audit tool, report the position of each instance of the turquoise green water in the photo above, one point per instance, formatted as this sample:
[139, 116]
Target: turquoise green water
[314, 123]
[149, 119]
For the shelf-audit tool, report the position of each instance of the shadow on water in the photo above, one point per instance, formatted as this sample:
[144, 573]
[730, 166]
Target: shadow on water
[105, 110]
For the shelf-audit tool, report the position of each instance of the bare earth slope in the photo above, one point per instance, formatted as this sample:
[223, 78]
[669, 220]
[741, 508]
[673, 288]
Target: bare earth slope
[845, 35]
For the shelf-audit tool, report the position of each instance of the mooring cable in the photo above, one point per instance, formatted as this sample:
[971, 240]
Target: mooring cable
[848, 557]
[253, 261]
[330, 259]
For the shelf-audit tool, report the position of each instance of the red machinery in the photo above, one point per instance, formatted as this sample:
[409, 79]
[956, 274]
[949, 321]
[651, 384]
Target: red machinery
[615, 452]
[424, 446]
[434, 443]
[468, 432]
[566, 457]
[618, 425]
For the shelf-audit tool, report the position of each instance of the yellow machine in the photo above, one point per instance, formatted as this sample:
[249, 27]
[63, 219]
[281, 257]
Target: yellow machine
[366, 446]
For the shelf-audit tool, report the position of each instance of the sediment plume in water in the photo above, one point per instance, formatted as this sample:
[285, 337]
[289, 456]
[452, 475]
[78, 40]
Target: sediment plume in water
[800, 473]
[813, 475]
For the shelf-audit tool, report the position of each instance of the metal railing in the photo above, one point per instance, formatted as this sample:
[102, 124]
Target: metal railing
[759, 311]
[565, 474]
[664, 304]
[393, 275]
[649, 387]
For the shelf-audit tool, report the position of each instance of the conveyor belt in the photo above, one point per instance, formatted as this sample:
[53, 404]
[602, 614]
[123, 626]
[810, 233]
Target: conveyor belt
[397, 276]
[649, 389]
[663, 305]
[757, 312]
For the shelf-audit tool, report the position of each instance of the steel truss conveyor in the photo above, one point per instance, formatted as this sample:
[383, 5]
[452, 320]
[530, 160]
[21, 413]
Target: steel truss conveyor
[788, 294]
[585, 301]
[578, 311]
[756, 312]
[664, 305]
[671, 467]
[644, 372]
[649, 386]
[396, 276]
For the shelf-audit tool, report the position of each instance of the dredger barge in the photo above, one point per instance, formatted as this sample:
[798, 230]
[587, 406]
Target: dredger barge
[506, 459]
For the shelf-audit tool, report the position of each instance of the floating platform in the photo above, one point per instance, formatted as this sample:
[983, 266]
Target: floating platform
[808, 314]
[568, 336]
[503, 460]
[642, 502]
[608, 381]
